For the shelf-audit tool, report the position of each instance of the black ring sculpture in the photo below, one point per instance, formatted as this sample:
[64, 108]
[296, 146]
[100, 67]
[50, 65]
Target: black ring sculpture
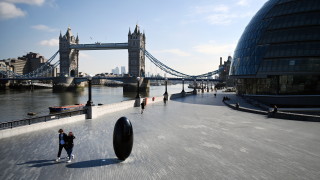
[122, 138]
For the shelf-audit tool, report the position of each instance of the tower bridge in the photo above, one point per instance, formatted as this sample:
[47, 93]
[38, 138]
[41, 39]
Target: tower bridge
[69, 48]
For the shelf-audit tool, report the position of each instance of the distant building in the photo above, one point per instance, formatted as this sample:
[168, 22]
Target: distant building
[123, 70]
[115, 70]
[279, 51]
[25, 64]
[224, 71]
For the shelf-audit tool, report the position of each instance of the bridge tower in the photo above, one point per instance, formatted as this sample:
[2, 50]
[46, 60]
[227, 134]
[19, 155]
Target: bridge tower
[69, 58]
[136, 47]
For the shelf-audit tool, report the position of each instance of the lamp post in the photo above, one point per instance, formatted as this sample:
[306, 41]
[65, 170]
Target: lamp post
[166, 84]
[89, 102]
[138, 87]
[183, 93]
[165, 95]
[194, 86]
[207, 85]
[137, 102]
[202, 89]
[182, 86]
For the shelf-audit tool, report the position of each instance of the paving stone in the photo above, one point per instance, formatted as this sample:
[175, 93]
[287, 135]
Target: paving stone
[196, 137]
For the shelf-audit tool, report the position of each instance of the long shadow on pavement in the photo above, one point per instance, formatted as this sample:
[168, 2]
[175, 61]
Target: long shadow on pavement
[40, 163]
[94, 163]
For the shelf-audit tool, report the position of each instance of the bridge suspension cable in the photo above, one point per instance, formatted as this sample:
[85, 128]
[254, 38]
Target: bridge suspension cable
[176, 73]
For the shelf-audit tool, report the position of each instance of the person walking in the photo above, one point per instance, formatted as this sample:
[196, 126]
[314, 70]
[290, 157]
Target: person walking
[62, 143]
[142, 107]
[165, 100]
[69, 146]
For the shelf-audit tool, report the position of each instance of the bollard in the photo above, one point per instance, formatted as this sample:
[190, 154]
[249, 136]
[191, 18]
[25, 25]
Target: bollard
[122, 138]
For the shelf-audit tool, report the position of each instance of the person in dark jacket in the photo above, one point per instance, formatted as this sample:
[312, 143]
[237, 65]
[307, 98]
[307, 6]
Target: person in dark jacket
[142, 107]
[69, 146]
[62, 143]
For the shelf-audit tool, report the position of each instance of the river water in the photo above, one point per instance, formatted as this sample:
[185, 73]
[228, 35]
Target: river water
[15, 104]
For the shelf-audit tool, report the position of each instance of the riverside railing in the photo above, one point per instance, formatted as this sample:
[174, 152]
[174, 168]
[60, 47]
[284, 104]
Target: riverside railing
[49, 117]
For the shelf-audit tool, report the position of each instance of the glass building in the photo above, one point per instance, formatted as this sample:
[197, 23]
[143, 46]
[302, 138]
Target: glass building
[279, 51]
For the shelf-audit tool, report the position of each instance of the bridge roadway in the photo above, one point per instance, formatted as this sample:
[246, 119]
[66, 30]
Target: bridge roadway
[196, 137]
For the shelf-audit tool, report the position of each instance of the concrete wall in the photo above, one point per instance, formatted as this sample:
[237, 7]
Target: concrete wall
[34, 127]
[97, 111]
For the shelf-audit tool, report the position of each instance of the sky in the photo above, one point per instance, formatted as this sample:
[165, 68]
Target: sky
[187, 35]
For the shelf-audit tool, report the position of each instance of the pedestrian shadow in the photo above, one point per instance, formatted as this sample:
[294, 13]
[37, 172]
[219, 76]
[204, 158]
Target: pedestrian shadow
[40, 163]
[94, 163]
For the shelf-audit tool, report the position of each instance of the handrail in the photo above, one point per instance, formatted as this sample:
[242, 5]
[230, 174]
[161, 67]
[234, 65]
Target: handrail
[49, 117]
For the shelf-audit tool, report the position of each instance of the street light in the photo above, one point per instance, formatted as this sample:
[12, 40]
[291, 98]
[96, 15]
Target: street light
[138, 88]
[194, 87]
[166, 84]
[202, 89]
[182, 86]
[89, 102]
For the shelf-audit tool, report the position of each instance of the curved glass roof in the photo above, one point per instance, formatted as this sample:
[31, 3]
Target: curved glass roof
[283, 37]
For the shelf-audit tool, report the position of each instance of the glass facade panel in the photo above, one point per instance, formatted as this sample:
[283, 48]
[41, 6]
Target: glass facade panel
[281, 41]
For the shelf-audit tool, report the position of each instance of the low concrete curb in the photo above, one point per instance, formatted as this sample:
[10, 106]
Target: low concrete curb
[246, 109]
[278, 115]
[293, 116]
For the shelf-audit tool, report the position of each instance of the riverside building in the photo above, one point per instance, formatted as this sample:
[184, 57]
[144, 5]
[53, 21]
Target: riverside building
[279, 51]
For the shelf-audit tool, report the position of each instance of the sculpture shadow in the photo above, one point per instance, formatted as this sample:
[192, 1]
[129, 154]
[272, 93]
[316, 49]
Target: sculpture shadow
[41, 163]
[94, 163]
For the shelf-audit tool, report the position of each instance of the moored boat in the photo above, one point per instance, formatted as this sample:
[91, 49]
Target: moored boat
[66, 108]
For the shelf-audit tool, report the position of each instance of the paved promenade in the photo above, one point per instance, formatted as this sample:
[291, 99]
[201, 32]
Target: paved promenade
[196, 137]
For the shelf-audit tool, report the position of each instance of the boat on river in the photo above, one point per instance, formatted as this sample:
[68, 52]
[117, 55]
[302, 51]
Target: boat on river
[66, 108]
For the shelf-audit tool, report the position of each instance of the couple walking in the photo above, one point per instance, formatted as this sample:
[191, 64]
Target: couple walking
[66, 142]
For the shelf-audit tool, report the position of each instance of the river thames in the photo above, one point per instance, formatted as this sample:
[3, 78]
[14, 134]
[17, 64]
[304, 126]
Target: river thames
[15, 104]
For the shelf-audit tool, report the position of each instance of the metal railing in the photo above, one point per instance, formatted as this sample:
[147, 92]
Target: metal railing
[34, 120]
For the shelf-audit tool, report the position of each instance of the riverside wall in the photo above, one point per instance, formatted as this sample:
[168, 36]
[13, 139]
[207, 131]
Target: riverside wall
[97, 111]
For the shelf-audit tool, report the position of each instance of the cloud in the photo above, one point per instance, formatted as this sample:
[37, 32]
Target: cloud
[177, 52]
[215, 49]
[42, 27]
[219, 14]
[243, 2]
[30, 2]
[220, 19]
[226, 18]
[209, 9]
[50, 42]
[8, 11]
